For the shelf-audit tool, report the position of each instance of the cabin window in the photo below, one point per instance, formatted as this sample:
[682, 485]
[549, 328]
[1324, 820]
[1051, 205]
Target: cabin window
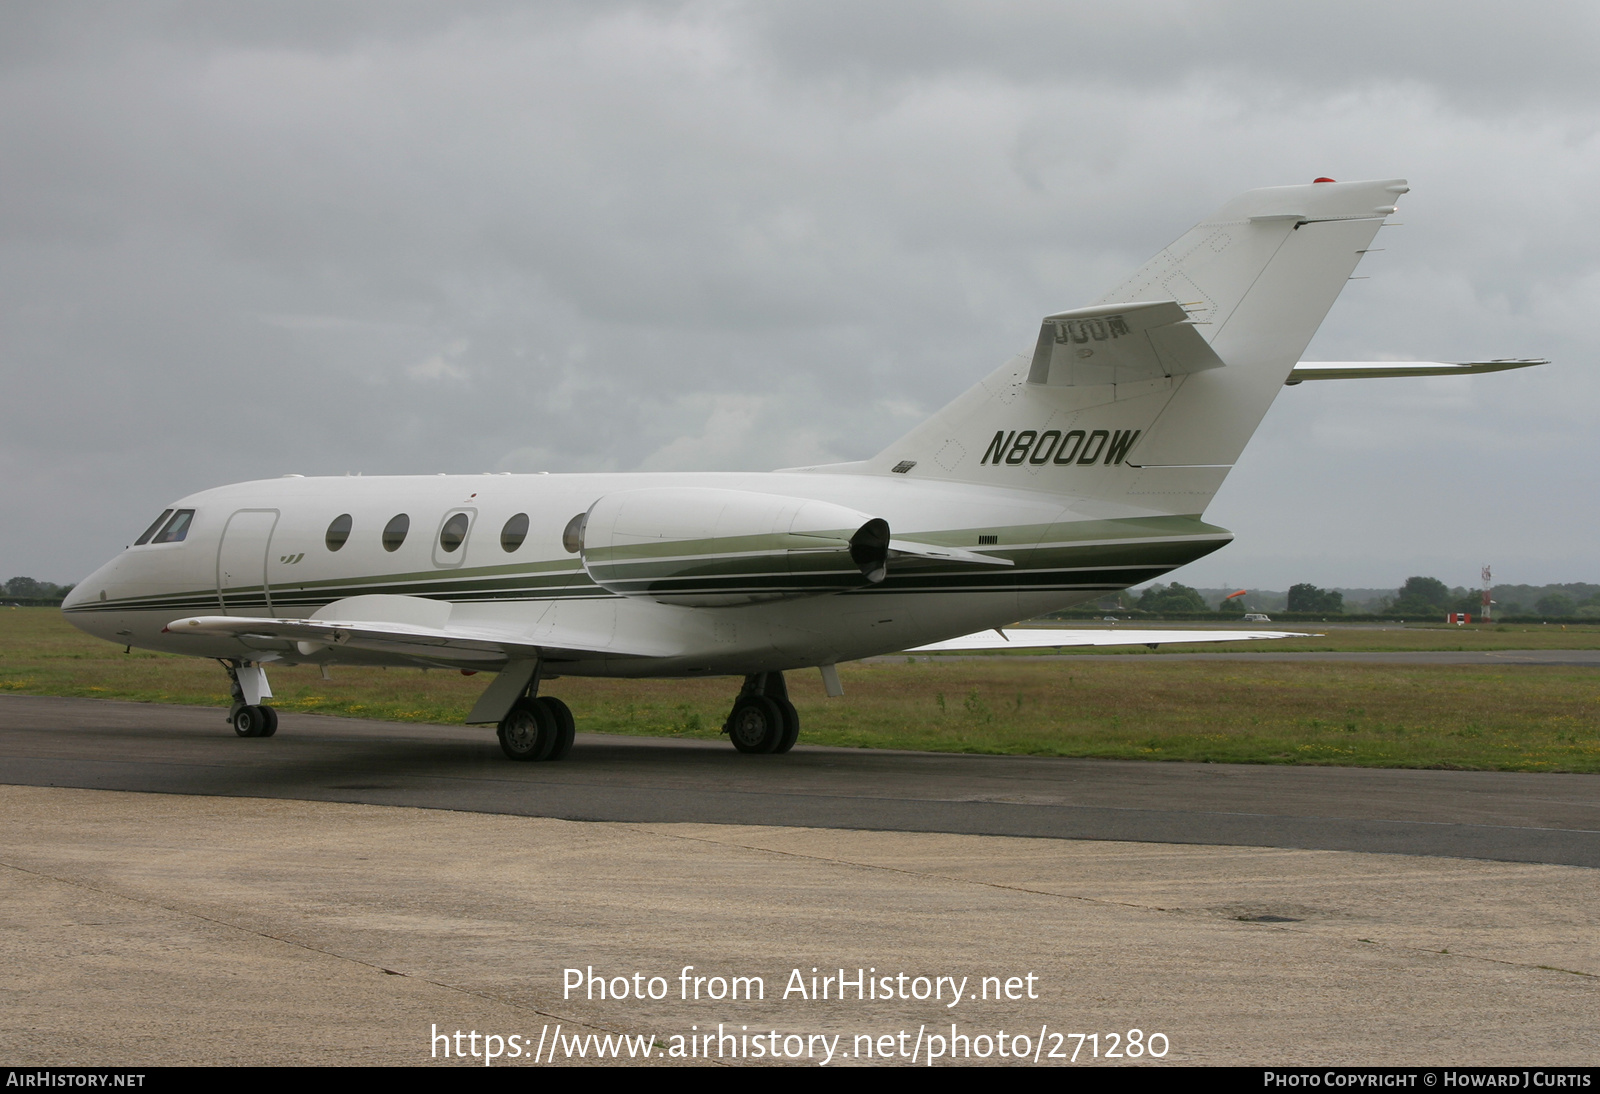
[338, 531]
[150, 531]
[176, 528]
[394, 533]
[453, 532]
[515, 531]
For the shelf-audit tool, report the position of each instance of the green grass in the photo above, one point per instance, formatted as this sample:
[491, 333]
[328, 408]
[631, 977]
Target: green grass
[1496, 717]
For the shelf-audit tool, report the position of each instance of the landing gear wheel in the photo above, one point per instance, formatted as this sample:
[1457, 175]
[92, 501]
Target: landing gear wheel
[791, 726]
[756, 726]
[251, 721]
[272, 722]
[528, 732]
[566, 727]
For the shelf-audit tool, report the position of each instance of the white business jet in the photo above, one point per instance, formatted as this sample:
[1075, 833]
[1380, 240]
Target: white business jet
[1078, 468]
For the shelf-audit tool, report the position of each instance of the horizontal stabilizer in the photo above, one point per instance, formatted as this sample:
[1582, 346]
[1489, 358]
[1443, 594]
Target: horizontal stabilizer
[1032, 638]
[1119, 344]
[1367, 370]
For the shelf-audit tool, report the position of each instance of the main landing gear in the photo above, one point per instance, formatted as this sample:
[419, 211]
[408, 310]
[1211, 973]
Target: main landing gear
[254, 721]
[538, 728]
[249, 682]
[763, 721]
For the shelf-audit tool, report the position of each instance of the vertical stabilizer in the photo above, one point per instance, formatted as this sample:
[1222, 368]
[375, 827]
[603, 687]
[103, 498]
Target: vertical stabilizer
[1149, 395]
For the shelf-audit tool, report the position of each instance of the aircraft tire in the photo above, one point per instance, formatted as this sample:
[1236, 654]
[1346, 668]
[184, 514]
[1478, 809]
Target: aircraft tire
[250, 721]
[791, 726]
[756, 727]
[528, 733]
[271, 725]
[566, 726]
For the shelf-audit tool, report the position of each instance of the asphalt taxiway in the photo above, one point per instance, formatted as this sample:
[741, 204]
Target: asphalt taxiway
[285, 901]
[105, 745]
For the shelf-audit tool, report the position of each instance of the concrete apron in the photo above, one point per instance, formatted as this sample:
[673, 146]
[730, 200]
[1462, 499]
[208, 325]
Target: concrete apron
[143, 929]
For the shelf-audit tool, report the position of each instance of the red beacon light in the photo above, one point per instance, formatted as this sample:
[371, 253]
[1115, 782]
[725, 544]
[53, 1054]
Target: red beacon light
[1324, 180]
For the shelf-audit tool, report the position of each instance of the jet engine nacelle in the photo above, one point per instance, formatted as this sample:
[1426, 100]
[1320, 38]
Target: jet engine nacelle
[709, 547]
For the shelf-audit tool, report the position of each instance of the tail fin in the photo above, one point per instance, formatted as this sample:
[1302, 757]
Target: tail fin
[1149, 396]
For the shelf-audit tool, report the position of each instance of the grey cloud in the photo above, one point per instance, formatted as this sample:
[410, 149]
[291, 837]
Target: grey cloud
[1480, 53]
[242, 240]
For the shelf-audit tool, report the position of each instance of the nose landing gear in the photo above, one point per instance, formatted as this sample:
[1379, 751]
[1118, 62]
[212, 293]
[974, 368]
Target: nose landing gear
[249, 686]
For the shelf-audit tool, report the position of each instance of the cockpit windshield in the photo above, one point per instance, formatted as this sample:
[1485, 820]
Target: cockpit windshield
[150, 531]
[176, 528]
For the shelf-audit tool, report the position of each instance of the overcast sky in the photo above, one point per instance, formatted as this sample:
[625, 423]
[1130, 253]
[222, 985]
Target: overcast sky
[243, 240]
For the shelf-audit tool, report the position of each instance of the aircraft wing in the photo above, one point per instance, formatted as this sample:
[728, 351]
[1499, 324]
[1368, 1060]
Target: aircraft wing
[469, 646]
[1027, 638]
[1366, 370]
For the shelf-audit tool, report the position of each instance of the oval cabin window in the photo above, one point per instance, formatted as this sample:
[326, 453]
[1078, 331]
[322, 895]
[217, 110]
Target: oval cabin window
[515, 531]
[453, 533]
[394, 533]
[338, 531]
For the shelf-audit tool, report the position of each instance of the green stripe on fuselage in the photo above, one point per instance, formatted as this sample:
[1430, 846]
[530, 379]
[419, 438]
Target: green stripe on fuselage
[1066, 555]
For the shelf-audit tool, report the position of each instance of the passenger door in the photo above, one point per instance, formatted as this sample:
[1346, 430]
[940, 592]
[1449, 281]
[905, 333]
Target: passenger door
[242, 563]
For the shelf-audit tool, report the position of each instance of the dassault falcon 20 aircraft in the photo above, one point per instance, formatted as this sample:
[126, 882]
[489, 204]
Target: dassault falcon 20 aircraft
[1077, 468]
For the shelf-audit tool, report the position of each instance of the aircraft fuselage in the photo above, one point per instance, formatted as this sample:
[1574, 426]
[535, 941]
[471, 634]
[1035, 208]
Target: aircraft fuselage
[285, 548]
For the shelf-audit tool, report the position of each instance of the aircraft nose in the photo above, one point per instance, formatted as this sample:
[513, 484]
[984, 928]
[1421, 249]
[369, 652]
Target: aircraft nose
[96, 587]
[77, 597]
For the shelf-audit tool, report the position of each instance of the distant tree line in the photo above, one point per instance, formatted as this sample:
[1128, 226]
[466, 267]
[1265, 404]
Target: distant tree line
[1173, 598]
[1429, 596]
[1574, 599]
[1306, 597]
[27, 588]
[1420, 597]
